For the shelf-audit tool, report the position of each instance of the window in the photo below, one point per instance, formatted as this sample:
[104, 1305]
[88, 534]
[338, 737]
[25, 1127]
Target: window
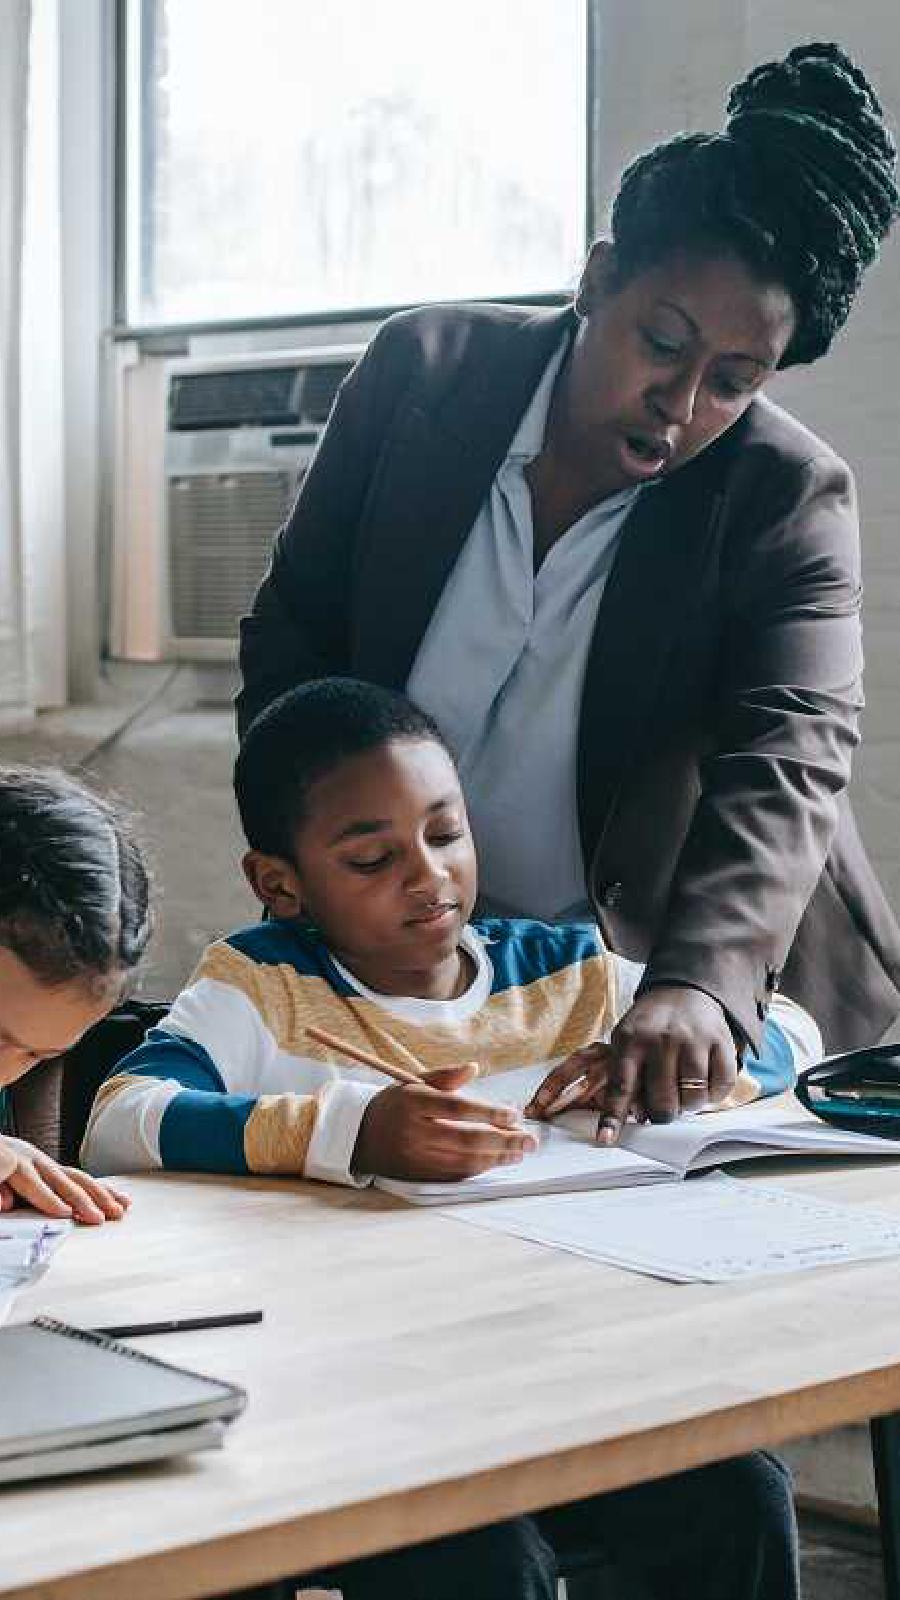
[284, 158]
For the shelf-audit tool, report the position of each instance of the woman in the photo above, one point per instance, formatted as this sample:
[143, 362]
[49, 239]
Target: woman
[627, 586]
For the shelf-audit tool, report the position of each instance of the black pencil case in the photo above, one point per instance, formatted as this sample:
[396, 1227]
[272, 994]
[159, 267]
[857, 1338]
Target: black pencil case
[859, 1090]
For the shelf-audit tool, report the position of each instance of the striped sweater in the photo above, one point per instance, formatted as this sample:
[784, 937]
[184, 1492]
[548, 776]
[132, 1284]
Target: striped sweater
[229, 1082]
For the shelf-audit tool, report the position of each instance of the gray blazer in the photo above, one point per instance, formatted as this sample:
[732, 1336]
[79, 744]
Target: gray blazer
[721, 701]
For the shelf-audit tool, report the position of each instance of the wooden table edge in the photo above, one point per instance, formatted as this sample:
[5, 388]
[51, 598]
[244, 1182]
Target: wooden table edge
[306, 1543]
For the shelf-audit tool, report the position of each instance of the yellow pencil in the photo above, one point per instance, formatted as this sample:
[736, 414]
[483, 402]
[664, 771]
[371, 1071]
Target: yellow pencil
[367, 1057]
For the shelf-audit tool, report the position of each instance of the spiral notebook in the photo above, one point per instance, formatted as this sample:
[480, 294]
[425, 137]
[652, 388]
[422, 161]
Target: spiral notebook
[76, 1401]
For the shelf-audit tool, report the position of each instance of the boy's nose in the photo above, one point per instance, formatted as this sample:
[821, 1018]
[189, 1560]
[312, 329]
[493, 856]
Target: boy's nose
[425, 874]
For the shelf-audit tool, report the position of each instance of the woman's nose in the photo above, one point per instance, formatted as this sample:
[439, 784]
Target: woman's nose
[676, 399]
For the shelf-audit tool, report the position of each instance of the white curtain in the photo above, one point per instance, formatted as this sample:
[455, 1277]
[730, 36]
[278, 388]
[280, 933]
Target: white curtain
[32, 473]
[15, 672]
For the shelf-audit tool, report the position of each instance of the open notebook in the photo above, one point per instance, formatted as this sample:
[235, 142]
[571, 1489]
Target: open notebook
[568, 1159]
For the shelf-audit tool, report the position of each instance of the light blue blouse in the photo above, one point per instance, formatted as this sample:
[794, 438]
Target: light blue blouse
[501, 669]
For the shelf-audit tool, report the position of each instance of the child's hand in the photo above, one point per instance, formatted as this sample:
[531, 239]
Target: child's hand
[579, 1083]
[34, 1179]
[427, 1133]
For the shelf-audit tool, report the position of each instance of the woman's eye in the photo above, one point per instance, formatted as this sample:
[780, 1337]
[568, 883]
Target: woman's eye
[729, 388]
[660, 346]
[447, 838]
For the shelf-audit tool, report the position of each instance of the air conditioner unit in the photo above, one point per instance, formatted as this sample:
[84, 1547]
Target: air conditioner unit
[238, 436]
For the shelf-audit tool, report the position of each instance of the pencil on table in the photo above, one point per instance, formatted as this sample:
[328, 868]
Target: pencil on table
[367, 1057]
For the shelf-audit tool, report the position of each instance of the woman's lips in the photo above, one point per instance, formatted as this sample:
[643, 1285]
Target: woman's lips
[646, 454]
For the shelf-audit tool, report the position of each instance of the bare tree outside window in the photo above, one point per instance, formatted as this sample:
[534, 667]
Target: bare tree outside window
[298, 158]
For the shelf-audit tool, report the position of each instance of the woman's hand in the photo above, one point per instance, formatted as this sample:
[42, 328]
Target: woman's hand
[672, 1052]
[429, 1134]
[29, 1177]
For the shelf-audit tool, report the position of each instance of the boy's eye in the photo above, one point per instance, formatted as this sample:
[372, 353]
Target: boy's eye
[446, 837]
[372, 865]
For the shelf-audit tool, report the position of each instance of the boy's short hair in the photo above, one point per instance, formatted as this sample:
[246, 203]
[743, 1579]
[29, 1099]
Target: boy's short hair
[303, 735]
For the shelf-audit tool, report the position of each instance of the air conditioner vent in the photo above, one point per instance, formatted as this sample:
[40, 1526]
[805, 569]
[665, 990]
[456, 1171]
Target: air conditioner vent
[220, 540]
[259, 397]
[320, 385]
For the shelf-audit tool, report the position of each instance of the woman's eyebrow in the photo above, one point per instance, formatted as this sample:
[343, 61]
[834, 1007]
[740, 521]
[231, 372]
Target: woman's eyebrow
[730, 355]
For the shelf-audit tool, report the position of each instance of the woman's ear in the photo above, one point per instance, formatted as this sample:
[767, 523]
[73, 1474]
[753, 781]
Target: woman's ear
[596, 277]
[275, 882]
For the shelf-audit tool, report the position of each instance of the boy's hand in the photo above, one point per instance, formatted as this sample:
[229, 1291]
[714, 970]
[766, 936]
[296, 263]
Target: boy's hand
[578, 1083]
[31, 1178]
[427, 1133]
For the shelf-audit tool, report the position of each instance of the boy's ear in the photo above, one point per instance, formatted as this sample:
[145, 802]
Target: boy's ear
[275, 882]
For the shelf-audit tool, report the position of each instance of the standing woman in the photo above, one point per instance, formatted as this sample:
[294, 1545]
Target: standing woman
[627, 585]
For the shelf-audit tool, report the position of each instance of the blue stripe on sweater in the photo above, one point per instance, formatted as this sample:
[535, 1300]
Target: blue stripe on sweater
[773, 1068]
[205, 1132]
[522, 951]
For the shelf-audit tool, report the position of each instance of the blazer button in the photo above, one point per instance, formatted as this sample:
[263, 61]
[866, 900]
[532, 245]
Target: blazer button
[610, 894]
[773, 979]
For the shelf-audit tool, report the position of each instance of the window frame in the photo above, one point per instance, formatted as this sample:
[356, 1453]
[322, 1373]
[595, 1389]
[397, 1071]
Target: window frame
[135, 167]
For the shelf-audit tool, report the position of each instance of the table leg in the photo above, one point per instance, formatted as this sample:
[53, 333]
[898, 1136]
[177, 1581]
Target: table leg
[885, 1433]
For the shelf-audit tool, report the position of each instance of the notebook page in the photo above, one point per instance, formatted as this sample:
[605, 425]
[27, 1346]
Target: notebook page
[695, 1142]
[713, 1230]
[562, 1162]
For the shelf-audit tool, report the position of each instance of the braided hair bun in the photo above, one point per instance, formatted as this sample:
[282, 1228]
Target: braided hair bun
[800, 184]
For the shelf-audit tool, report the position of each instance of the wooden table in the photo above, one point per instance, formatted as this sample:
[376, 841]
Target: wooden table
[415, 1376]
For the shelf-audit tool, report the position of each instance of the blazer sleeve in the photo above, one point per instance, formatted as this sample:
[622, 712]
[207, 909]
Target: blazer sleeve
[299, 625]
[784, 729]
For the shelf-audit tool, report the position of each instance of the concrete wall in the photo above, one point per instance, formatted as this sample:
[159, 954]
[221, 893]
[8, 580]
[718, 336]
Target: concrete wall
[660, 67]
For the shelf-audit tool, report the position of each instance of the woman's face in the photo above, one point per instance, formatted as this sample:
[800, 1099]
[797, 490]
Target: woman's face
[39, 1019]
[666, 362]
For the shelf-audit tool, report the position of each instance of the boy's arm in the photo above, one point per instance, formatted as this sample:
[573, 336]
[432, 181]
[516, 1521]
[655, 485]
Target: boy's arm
[206, 1092]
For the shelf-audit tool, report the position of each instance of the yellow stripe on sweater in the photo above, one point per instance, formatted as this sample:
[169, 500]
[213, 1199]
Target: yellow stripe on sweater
[278, 1131]
[520, 1026]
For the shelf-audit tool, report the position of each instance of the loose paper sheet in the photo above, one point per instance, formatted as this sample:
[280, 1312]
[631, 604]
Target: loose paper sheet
[708, 1230]
[26, 1244]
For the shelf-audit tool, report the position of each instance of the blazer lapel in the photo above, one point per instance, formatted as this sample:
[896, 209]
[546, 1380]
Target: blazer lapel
[437, 468]
[651, 590]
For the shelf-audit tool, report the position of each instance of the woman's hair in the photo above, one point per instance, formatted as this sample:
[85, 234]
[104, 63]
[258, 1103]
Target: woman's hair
[800, 185]
[74, 890]
[304, 735]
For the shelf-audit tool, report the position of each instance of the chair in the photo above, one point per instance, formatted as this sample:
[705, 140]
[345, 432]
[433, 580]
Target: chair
[86, 1065]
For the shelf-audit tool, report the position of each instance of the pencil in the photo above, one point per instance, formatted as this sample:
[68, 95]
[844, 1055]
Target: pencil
[367, 1057]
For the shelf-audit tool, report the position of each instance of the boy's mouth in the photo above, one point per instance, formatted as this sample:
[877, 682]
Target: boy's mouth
[442, 911]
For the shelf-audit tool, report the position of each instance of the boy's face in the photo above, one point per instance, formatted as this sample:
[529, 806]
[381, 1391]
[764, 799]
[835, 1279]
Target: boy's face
[40, 1019]
[384, 863]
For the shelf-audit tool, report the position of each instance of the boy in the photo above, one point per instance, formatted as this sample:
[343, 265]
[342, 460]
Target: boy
[361, 852]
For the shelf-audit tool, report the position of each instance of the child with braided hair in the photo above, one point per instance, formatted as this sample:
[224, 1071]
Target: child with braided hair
[74, 921]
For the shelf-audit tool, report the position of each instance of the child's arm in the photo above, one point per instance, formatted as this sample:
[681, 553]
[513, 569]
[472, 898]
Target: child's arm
[212, 1090]
[30, 1177]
